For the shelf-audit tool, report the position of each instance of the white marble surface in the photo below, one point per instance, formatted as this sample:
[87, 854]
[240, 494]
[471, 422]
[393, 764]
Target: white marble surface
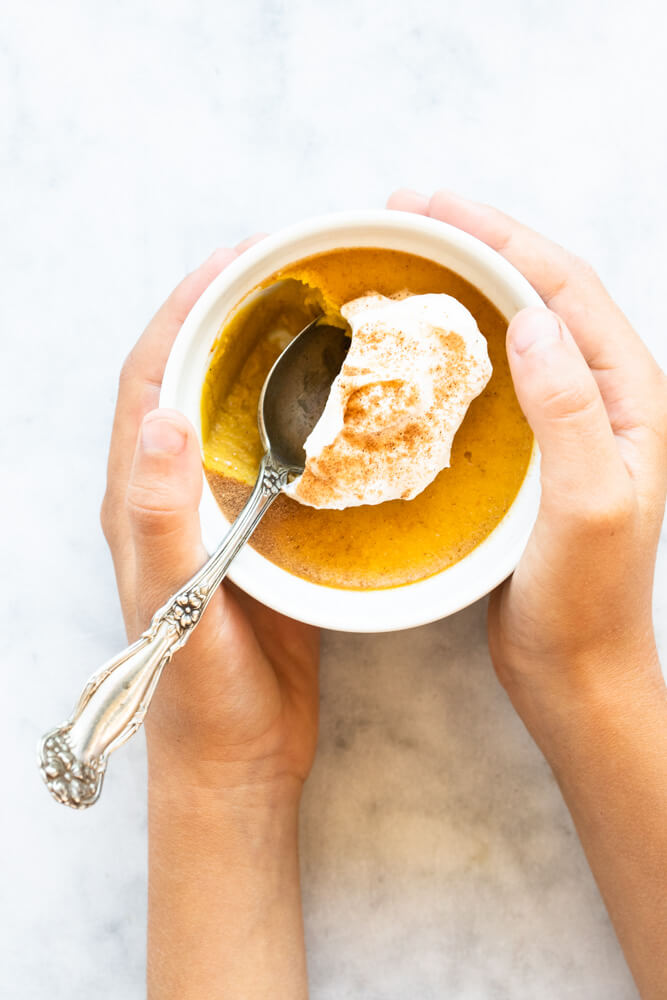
[438, 858]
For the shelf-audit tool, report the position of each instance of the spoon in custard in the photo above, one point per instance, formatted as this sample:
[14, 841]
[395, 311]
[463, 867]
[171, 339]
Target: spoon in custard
[73, 757]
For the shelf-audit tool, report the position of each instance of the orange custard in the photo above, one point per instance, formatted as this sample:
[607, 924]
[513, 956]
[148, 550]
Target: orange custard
[366, 547]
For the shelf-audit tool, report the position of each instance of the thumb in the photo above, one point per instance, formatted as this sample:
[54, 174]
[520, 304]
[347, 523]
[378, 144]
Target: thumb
[163, 494]
[562, 403]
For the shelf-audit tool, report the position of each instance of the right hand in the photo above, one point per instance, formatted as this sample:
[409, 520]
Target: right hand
[578, 608]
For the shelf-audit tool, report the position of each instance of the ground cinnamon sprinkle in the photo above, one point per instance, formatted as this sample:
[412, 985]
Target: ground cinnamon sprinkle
[386, 433]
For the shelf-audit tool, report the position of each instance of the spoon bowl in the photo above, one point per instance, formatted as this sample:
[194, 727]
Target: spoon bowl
[296, 390]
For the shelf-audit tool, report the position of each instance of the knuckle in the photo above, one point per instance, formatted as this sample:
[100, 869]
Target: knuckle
[570, 401]
[149, 511]
[577, 276]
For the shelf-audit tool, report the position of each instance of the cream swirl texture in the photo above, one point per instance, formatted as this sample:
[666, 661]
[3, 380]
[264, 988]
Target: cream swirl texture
[414, 365]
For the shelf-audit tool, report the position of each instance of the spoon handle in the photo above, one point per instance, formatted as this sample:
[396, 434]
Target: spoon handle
[112, 706]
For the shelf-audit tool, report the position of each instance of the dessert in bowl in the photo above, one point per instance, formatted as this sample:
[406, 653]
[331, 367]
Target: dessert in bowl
[370, 566]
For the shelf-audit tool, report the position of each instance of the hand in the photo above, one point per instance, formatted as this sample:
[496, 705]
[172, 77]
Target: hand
[578, 607]
[232, 726]
[237, 706]
[570, 632]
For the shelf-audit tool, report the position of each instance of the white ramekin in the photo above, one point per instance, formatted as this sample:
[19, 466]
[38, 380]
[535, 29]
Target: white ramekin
[351, 610]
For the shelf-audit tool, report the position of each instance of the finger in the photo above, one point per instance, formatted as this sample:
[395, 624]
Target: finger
[162, 500]
[140, 382]
[629, 379]
[292, 646]
[566, 283]
[406, 200]
[581, 463]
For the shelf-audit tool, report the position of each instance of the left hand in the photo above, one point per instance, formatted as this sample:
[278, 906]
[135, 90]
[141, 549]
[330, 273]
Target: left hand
[237, 707]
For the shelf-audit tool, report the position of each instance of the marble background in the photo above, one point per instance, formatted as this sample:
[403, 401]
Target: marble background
[135, 137]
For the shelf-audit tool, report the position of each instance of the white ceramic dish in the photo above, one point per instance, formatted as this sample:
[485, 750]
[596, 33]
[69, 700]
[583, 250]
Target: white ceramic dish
[351, 610]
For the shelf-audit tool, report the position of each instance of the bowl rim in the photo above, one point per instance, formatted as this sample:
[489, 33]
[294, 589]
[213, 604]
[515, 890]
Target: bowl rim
[388, 609]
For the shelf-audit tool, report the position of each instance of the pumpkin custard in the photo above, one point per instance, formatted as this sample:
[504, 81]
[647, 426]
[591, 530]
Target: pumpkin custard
[371, 546]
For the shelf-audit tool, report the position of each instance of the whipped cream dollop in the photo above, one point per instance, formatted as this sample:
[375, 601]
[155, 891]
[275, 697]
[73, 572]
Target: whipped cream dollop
[414, 365]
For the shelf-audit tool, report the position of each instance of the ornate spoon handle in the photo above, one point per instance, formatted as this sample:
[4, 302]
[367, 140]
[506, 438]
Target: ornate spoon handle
[112, 706]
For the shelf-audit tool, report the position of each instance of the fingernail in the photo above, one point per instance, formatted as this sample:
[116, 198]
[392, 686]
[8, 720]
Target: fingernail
[160, 436]
[537, 328]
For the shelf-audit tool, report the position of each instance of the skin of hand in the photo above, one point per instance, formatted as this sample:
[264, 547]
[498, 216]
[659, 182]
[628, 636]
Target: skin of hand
[571, 633]
[232, 727]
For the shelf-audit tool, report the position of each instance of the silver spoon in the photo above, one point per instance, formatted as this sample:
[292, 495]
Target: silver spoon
[112, 706]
